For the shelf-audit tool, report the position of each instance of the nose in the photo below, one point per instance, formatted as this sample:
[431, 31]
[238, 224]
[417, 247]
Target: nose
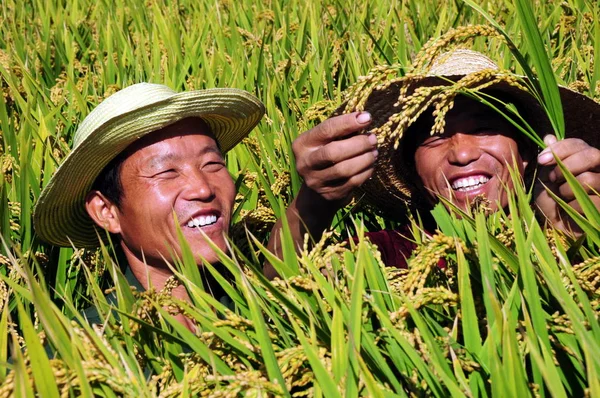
[198, 187]
[464, 149]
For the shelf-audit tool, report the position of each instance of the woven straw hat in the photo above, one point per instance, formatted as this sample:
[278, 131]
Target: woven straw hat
[393, 184]
[60, 217]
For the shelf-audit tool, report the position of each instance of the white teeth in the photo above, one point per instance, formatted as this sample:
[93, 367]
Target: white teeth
[202, 221]
[469, 183]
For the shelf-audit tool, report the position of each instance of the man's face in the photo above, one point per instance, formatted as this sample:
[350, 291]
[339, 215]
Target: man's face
[471, 158]
[177, 170]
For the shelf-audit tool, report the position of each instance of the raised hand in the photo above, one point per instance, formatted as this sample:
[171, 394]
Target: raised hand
[332, 159]
[579, 158]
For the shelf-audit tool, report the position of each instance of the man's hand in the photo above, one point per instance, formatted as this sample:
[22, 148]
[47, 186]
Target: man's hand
[333, 160]
[580, 159]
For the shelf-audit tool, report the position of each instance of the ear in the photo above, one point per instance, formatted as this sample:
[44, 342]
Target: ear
[103, 211]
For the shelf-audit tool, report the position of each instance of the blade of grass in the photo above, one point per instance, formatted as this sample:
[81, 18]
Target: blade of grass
[470, 322]
[43, 375]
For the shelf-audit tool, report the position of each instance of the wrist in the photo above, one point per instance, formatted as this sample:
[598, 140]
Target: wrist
[310, 202]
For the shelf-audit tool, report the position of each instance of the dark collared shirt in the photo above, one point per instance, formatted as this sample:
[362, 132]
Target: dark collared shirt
[93, 317]
[91, 313]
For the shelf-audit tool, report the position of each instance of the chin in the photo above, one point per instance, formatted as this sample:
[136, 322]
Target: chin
[208, 255]
[202, 250]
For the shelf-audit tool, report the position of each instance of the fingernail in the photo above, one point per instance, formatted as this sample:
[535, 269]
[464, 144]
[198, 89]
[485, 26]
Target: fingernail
[375, 153]
[550, 139]
[545, 157]
[372, 139]
[552, 176]
[363, 117]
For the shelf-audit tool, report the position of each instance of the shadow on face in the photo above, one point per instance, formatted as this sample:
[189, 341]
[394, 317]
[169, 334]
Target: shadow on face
[470, 158]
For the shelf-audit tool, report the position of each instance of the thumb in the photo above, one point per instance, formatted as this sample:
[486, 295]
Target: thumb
[550, 139]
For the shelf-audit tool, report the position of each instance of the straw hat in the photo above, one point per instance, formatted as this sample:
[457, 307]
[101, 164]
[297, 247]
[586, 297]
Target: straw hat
[393, 184]
[60, 216]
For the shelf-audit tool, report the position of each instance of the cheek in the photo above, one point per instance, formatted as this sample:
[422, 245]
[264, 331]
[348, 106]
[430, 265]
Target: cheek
[165, 194]
[157, 196]
[226, 192]
[152, 204]
[523, 159]
[511, 155]
[425, 165]
[506, 148]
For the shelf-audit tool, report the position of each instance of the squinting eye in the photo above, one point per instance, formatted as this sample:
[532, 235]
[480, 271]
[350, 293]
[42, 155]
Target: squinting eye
[214, 166]
[166, 173]
[433, 141]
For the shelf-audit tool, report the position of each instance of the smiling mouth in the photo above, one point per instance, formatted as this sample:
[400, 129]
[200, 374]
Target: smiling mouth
[469, 183]
[202, 221]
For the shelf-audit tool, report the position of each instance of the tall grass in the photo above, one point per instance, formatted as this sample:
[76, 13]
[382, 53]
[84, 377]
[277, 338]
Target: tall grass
[509, 304]
[513, 301]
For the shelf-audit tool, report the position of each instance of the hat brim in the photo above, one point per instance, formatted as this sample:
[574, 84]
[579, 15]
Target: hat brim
[60, 217]
[390, 189]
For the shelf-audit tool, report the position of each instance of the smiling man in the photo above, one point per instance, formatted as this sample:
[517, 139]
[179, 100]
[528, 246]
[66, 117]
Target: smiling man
[174, 178]
[471, 158]
[146, 162]
[400, 167]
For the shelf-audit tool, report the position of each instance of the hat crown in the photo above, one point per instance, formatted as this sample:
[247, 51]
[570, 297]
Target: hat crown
[460, 62]
[120, 103]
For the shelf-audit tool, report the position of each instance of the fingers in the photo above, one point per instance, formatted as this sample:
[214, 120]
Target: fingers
[551, 209]
[335, 128]
[338, 151]
[589, 181]
[341, 189]
[337, 181]
[575, 205]
[583, 161]
[550, 139]
[586, 161]
[562, 149]
[332, 159]
[566, 223]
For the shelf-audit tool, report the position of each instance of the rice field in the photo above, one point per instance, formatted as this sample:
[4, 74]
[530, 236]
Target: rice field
[515, 312]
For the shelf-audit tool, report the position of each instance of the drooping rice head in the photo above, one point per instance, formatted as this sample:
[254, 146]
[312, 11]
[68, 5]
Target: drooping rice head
[414, 99]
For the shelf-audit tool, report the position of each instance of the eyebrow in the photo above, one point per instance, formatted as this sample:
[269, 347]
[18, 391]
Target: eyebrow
[170, 156]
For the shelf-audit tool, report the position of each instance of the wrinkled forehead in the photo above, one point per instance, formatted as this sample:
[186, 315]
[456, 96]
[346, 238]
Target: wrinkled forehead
[181, 128]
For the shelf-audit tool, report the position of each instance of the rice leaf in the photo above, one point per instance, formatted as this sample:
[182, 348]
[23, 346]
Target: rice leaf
[22, 384]
[323, 378]
[40, 365]
[263, 338]
[470, 327]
